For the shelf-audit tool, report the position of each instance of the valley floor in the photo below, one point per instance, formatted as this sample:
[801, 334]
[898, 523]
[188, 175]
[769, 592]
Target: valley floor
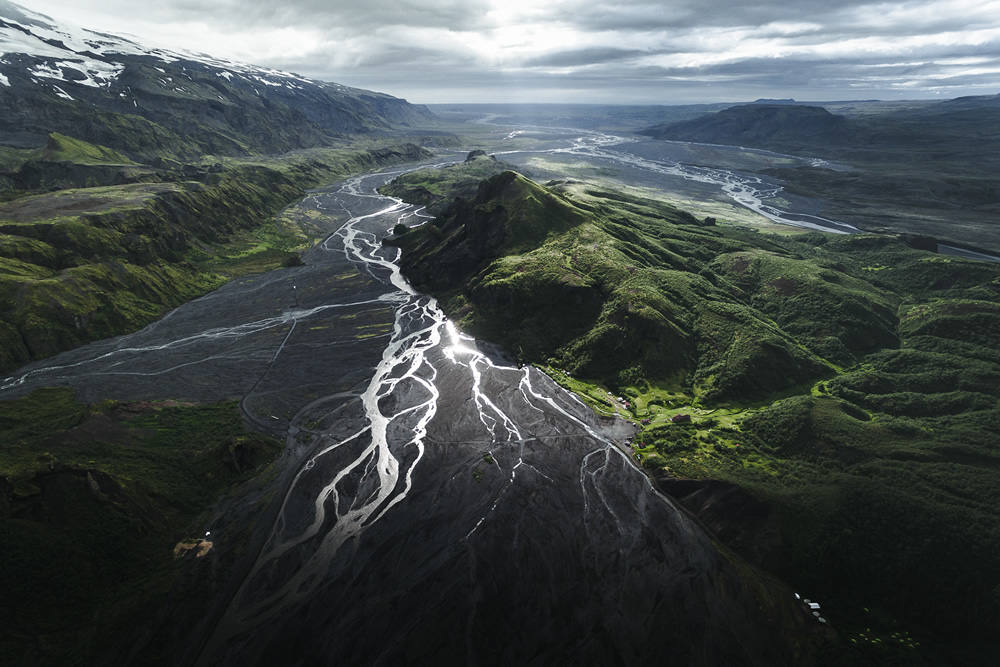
[822, 404]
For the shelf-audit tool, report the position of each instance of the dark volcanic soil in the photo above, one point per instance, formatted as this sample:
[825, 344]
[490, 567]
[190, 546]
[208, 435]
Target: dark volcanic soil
[435, 504]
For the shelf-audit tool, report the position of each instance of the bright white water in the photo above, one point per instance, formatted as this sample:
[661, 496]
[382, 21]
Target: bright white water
[419, 465]
[349, 483]
[746, 190]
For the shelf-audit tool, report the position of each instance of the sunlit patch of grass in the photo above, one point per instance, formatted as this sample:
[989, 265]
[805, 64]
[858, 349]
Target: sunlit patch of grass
[64, 148]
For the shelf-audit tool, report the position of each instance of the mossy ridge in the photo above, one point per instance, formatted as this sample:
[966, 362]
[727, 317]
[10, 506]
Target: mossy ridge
[741, 355]
[884, 480]
[597, 288]
[895, 510]
[111, 259]
[108, 487]
[435, 188]
[63, 148]
[834, 314]
[879, 461]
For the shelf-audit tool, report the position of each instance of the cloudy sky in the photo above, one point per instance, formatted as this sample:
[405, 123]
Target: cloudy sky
[627, 51]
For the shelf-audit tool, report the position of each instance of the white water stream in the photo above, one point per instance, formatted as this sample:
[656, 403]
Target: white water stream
[431, 386]
[746, 190]
[398, 403]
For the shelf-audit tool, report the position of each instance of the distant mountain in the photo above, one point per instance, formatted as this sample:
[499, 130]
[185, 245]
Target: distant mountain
[971, 102]
[761, 125]
[962, 131]
[113, 92]
[927, 167]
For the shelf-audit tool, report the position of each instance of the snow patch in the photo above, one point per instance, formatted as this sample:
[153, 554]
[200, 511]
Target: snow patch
[63, 94]
[91, 53]
[47, 72]
[97, 74]
[266, 82]
[4, 80]
[15, 41]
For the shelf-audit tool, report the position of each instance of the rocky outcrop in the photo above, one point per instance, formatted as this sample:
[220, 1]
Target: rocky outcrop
[478, 153]
[509, 213]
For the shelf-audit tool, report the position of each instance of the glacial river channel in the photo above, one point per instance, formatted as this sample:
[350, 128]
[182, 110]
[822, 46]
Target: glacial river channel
[435, 503]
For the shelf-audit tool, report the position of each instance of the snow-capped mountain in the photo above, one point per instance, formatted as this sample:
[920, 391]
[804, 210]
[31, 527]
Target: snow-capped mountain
[110, 90]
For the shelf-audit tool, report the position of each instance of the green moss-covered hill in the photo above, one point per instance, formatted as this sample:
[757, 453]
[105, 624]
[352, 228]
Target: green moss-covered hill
[836, 396]
[617, 289]
[98, 258]
[98, 504]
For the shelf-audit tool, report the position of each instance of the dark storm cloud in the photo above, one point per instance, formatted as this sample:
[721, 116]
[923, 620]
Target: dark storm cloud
[681, 15]
[583, 57]
[331, 14]
[436, 50]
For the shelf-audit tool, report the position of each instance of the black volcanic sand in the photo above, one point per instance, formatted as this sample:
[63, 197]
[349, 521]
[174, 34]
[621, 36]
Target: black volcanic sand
[454, 510]
[226, 344]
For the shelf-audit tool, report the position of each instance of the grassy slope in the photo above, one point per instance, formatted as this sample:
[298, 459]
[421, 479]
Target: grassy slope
[850, 382]
[92, 244]
[63, 148]
[608, 288]
[82, 264]
[110, 488]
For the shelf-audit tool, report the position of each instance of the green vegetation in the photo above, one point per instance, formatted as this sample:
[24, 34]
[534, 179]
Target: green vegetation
[141, 198]
[859, 405]
[108, 488]
[608, 287]
[62, 148]
[82, 264]
[435, 188]
[93, 246]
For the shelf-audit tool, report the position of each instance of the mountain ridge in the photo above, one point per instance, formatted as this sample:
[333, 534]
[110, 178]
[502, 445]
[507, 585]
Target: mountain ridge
[112, 91]
[123, 190]
[928, 169]
[815, 400]
[769, 125]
